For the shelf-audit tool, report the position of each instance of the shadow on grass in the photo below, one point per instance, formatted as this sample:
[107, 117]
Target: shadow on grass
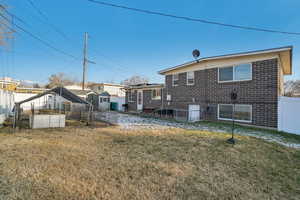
[203, 165]
[108, 163]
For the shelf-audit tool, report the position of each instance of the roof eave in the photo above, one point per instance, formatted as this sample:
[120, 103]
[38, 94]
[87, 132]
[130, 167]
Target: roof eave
[274, 50]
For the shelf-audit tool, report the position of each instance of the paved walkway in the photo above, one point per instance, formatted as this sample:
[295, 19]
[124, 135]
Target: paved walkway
[127, 121]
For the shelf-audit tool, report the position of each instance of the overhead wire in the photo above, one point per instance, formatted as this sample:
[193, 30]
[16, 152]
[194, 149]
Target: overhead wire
[46, 19]
[46, 43]
[192, 19]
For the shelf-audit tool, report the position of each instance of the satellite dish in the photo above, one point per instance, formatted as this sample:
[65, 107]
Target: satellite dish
[196, 53]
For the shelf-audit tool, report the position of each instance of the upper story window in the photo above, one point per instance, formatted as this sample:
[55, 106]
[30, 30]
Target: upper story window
[190, 78]
[175, 79]
[156, 94]
[241, 72]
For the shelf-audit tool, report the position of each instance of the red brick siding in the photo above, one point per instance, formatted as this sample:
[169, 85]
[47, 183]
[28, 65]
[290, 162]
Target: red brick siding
[261, 92]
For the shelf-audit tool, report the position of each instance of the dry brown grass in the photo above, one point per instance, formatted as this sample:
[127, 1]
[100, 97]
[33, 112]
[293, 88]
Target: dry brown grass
[108, 163]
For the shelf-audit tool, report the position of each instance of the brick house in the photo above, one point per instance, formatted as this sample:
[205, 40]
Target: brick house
[203, 87]
[144, 97]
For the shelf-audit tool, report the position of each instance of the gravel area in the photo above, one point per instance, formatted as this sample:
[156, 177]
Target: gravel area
[127, 121]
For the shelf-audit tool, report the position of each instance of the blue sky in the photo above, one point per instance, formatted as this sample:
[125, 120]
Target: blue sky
[125, 43]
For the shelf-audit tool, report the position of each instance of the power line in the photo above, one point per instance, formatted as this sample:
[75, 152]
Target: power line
[39, 39]
[108, 60]
[46, 19]
[14, 16]
[192, 19]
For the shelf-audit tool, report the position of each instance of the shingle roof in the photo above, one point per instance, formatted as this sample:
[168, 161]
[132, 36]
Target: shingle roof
[145, 85]
[105, 94]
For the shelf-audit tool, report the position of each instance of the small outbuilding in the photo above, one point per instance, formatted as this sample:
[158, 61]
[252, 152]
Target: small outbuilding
[60, 103]
[104, 101]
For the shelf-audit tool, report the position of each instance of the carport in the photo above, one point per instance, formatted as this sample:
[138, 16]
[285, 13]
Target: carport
[62, 102]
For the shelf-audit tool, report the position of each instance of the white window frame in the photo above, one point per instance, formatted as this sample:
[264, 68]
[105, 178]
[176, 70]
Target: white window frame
[233, 75]
[157, 97]
[174, 79]
[130, 96]
[237, 120]
[187, 80]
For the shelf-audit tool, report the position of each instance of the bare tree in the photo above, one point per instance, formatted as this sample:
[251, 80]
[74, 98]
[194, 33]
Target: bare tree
[6, 32]
[292, 88]
[134, 80]
[59, 79]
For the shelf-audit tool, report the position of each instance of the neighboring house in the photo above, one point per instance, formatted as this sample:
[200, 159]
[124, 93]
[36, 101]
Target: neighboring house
[75, 87]
[8, 83]
[144, 97]
[112, 89]
[30, 90]
[201, 89]
[116, 94]
[206, 84]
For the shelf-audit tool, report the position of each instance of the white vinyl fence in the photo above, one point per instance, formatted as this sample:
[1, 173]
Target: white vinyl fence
[6, 104]
[289, 115]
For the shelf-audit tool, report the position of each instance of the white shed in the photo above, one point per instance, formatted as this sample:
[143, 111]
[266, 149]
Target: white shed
[104, 101]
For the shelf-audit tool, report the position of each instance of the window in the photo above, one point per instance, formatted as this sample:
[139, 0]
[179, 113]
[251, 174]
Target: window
[226, 74]
[130, 96]
[106, 99]
[190, 78]
[240, 72]
[242, 113]
[156, 94]
[175, 79]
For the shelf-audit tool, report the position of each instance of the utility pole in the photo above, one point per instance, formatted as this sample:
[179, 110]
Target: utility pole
[85, 60]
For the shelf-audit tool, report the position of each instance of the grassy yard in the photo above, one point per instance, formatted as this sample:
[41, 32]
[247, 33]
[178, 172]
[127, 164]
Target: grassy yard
[109, 163]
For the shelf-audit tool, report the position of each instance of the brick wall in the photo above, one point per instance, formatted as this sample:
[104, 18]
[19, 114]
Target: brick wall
[261, 92]
[148, 102]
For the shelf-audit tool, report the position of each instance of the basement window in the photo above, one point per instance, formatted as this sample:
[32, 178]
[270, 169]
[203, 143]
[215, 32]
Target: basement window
[241, 72]
[242, 113]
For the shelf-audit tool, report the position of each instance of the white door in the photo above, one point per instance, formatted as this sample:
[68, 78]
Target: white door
[194, 113]
[139, 100]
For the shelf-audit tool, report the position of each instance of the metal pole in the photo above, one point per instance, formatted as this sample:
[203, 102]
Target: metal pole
[233, 113]
[85, 61]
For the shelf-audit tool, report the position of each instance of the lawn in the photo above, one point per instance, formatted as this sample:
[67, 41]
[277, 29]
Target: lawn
[109, 163]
